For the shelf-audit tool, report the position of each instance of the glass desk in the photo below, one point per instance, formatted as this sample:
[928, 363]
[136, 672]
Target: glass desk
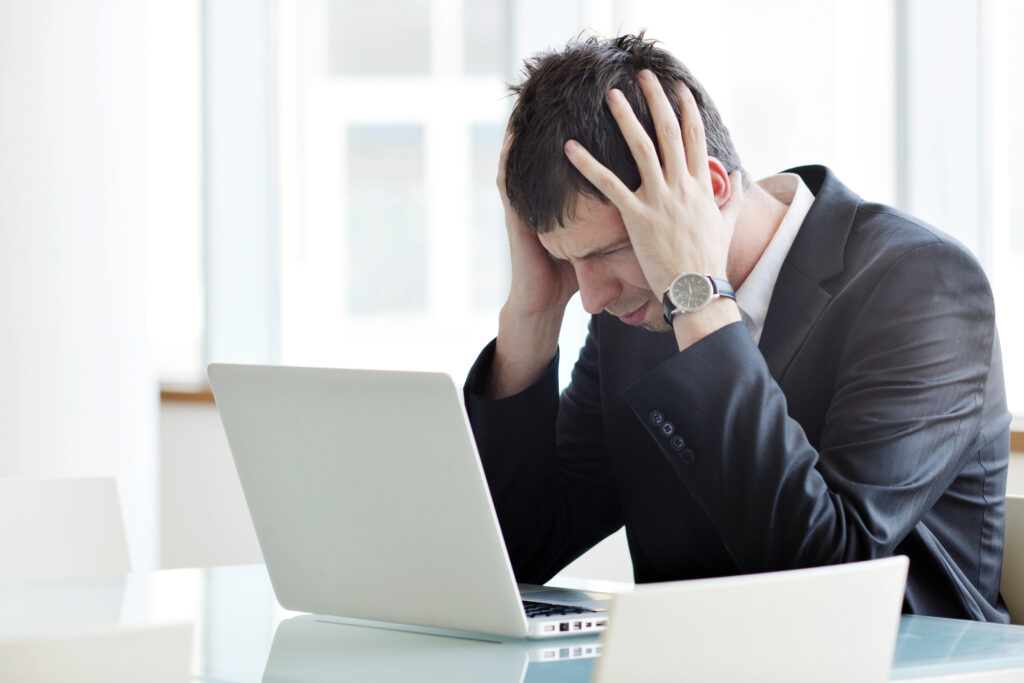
[241, 635]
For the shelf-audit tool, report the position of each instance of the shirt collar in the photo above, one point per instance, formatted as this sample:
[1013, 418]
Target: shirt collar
[755, 294]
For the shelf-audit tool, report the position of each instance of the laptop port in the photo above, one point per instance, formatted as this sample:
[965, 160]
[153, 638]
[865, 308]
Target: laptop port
[577, 625]
[549, 627]
[601, 623]
[590, 624]
[564, 626]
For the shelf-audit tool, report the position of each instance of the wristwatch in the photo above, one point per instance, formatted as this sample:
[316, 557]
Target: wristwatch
[693, 291]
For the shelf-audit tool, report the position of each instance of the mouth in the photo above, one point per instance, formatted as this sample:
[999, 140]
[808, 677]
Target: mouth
[637, 316]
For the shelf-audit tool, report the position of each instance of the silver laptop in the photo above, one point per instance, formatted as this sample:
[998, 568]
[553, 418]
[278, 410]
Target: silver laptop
[836, 624]
[369, 502]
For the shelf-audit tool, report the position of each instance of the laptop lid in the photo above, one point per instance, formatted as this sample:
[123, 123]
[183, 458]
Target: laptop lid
[368, 497]
[836, 623]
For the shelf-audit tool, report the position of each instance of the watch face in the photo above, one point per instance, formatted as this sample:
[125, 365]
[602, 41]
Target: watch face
[690, 292]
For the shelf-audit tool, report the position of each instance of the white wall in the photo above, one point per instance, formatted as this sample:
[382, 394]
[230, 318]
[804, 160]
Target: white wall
[77, 396]
[204, 520]
[1015, 480]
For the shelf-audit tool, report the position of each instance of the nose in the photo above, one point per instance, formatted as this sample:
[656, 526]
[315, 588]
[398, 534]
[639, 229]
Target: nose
[597, 287]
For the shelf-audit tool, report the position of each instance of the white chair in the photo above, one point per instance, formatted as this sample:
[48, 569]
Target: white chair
[61, 529]
[1011, 585]
[56, 628]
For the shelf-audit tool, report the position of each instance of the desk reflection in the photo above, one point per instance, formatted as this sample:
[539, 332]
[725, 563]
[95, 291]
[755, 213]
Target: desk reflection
[932, 646]
[315, 649]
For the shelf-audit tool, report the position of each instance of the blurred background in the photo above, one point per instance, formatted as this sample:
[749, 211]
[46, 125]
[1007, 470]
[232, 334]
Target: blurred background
[311, 182]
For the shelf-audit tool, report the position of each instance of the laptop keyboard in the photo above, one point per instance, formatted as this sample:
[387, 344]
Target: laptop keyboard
[547, 609]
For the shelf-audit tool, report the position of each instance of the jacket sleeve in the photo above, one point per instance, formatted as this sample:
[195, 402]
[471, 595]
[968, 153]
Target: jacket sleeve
[906, 407]
[546, 466]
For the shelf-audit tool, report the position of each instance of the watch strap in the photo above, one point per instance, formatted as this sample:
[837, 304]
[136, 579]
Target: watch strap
[668, 308]
[722, 287]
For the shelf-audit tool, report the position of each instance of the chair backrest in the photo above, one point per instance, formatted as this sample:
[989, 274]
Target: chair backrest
[833, 623]
[61, 529]
[1011, 585]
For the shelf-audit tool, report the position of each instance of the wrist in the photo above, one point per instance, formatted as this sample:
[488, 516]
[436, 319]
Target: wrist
[535, 324]
[525, 345]
[690, 328]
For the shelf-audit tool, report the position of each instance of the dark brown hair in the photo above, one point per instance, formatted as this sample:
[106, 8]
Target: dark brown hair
[562, 96]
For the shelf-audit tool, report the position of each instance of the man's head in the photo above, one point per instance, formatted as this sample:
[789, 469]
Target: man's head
[563, 97]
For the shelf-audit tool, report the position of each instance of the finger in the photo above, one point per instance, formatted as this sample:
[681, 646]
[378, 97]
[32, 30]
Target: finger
[666, 125]
[695, 145]
[645, 154]
[604, 180]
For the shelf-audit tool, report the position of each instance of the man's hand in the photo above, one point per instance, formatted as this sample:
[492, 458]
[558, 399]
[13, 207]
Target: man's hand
[674, 222]
[531, 318]
[540, 285]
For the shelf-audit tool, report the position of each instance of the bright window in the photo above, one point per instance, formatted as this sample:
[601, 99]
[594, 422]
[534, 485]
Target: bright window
[350, 149]
[1003, 140]
[393, 246]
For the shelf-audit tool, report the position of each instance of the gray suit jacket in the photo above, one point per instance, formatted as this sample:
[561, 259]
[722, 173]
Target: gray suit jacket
[870, 421]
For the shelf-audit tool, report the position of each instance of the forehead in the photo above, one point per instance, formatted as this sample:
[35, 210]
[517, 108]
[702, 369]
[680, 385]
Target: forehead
[595, 227]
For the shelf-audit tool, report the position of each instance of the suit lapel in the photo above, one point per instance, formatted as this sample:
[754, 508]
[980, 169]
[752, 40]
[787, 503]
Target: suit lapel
[787, 325]
[801, 294]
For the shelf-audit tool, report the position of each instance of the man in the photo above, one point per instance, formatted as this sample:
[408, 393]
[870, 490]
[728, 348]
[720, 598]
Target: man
[845, 403]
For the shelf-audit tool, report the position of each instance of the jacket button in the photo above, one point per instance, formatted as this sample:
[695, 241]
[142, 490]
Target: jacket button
[686, 456]
[677, 443]
[656, 417]
[667, 428]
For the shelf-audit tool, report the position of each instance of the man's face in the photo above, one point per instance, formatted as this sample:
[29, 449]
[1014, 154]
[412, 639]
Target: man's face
[597, 246]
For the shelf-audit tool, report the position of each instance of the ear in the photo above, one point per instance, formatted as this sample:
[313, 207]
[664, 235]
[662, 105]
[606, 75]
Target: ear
[720, 183]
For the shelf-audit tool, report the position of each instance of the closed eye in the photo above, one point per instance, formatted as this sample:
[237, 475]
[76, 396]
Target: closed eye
[617, 250]
[623, 248]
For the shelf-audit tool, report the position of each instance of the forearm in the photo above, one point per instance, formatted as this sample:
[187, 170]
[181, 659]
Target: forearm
[516, 440]
[546, 464]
